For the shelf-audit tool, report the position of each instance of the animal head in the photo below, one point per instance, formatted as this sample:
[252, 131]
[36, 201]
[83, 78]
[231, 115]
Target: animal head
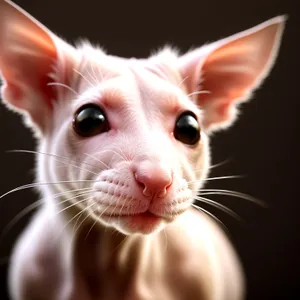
[127, 140]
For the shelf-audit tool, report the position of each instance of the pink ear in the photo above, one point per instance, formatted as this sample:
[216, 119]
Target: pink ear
[28, 55]
[222, 74]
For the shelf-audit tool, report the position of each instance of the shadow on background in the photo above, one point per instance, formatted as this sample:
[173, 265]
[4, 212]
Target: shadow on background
[263, 144]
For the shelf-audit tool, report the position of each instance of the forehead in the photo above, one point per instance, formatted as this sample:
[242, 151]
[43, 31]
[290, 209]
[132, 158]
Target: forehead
[120, 83]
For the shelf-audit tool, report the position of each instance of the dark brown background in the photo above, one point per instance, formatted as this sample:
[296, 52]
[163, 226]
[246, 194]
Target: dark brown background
[263, 144]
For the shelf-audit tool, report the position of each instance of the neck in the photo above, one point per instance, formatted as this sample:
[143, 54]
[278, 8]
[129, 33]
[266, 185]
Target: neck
[109, 246]
[105, 258]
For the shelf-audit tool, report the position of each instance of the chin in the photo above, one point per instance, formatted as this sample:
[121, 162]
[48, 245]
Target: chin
[144, 223]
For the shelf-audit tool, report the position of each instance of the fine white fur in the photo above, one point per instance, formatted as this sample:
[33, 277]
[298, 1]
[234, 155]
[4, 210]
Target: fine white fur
[75, 247]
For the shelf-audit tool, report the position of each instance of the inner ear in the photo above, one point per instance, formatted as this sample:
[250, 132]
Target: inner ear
[29, 56]
[225, 73]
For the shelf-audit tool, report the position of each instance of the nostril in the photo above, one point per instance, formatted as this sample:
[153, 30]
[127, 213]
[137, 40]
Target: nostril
[139, 182]
[153, 181]
[163, 192]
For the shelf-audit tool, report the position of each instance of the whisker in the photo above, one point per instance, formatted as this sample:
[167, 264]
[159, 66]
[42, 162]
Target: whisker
[115, 152]
[125, 238]
[34, 205]
[219, 206]
[100, 73]
[84, 77]
[103, 212]
[87, 216]
[182, 81]
[77, 215]
[97, 159]
[94, 73]
[122, 155]
[215, 165]
[19, 216]
[225, 177]
[124, 203]
[116, 205]
[221, 163]
[92, 77]
[44, 153]
[233, 194]
[199, 93]
[122, 207]
[212, 216]
[217, 178]
[63, 85]
[73, 204]
[71, 191]
[58, 158]
[92, 226]
[81, 213]
[37, 184]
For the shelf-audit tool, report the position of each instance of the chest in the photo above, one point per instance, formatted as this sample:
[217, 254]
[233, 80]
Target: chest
[164, 270]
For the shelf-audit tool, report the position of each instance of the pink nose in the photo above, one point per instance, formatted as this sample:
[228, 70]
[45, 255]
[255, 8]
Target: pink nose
[154, 179]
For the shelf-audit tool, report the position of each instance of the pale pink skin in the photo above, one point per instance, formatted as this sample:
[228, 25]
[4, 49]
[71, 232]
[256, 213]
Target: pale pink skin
[175, 253]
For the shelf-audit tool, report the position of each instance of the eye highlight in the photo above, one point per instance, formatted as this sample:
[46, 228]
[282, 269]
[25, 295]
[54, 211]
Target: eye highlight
[187, 129]
[90, 120]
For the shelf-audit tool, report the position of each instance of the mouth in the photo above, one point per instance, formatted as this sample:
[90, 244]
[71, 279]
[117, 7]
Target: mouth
[145, 222]
[147, 217]
[144, 216]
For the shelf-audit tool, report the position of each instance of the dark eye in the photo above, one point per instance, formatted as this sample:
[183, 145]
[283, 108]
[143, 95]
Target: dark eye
[187, 129]
[90, 120]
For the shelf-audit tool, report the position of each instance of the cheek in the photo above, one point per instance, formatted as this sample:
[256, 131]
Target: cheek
[88, 156]
[199, 163]
[62, 158]
[90, 145]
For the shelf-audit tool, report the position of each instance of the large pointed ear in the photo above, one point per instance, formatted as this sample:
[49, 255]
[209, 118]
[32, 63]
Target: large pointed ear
[222, 74]
[31, 57]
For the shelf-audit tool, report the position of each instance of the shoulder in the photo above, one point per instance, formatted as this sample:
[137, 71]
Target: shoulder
[33, 261]
[210, 256]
